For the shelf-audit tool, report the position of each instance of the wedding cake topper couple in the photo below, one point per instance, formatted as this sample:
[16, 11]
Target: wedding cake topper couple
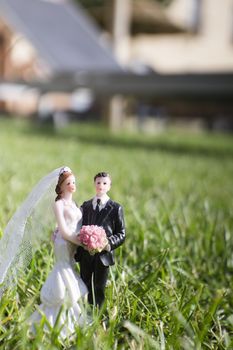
[64, 288]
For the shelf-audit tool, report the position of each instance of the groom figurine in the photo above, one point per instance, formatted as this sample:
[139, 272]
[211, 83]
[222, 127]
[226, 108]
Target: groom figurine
[101, 211]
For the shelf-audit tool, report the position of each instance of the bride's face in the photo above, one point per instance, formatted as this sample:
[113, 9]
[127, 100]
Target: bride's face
[69, 185]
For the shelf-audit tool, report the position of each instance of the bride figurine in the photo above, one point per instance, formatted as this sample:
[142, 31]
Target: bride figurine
[63, 287]
[63, 292]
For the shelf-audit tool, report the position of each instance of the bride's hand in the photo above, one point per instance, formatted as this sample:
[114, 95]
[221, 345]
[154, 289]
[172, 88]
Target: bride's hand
[77, 240]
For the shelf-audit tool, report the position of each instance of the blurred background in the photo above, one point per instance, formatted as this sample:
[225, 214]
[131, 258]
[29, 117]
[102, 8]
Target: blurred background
[139, 65]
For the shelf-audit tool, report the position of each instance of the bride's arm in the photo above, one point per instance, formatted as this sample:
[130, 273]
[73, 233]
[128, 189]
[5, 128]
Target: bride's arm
[61, 223]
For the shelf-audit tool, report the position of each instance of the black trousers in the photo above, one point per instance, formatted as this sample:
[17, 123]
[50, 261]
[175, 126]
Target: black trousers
[94, 274]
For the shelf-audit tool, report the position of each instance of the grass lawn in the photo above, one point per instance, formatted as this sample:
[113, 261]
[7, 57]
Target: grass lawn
[171, 287]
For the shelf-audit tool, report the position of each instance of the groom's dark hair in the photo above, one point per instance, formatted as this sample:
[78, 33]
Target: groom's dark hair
[102, 174]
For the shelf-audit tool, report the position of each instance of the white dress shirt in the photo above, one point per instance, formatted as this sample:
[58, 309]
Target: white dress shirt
[103, 201]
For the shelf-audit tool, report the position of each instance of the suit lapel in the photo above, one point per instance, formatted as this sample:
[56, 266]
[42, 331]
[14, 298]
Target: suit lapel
[104, 212]
[90, 213]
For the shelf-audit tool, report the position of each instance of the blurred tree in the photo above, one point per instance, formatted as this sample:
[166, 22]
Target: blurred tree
[147, 15]
[91, 3]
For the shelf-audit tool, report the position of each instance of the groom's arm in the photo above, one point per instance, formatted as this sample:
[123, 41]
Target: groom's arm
[118, 236]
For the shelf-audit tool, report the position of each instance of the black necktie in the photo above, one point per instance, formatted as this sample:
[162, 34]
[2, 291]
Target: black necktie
[98, 206]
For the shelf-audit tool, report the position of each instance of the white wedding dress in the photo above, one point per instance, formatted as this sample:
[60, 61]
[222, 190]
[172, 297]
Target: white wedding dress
[63, 287]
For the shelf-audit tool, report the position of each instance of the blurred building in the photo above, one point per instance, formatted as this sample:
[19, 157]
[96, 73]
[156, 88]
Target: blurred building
[41, 39]
[191, 55]
[158, 51]
[205, 45]
[184, 36]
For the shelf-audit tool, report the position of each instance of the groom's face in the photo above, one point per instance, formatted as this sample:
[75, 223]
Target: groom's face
[102, 185]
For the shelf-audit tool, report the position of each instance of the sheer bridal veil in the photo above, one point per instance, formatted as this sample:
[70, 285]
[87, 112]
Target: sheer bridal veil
[26, 229]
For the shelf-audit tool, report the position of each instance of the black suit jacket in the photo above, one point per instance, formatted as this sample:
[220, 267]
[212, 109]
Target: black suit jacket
[111, 218]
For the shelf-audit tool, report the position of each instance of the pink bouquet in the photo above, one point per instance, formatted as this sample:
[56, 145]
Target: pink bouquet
[93, 238]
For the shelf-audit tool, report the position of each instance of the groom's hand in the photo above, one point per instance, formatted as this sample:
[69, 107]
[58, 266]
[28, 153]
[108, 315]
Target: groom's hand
[107, 247]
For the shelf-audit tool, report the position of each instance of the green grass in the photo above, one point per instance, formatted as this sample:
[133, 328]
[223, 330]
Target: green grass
[171, 287]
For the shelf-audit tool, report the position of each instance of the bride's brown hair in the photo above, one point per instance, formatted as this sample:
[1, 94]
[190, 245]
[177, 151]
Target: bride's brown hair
[62, 177]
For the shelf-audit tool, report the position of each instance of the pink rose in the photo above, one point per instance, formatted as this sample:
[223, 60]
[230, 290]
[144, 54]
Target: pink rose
[93, 238]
